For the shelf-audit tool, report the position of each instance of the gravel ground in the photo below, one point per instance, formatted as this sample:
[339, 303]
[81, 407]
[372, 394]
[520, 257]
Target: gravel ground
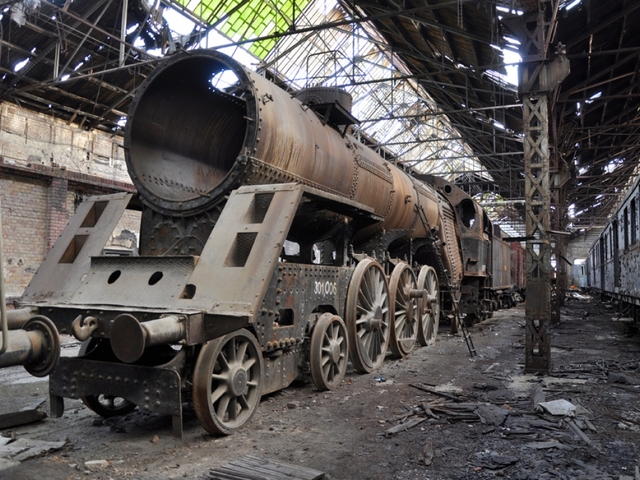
[480, 423]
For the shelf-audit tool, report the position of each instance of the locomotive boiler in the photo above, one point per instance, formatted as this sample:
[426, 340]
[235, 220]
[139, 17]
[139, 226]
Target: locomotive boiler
[273, 244]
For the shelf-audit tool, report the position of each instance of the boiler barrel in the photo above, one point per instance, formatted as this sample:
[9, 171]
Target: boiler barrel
[202, 125]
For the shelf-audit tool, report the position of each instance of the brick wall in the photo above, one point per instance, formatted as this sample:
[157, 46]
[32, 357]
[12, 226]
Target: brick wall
[28, 137]
[23, 227]
[46, 168]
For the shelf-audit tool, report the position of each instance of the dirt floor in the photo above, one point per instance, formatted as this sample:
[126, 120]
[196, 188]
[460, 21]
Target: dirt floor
[480, 424]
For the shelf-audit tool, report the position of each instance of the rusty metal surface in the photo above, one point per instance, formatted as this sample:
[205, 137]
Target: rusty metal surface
[65, 266]
[152, 389]
[188, 144]
[134, 281]
[501, 271]
[518, 267]
[237, 262]
[451, 249]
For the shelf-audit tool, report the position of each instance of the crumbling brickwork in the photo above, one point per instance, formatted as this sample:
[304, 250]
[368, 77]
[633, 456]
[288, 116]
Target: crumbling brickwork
[46, 168]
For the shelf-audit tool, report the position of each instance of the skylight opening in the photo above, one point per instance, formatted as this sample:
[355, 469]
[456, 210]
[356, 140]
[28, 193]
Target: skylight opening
[575, 3]
[224, 79]
[178, 23]
[593, 97]
[20, 65]
[613, 165]
[508, 10]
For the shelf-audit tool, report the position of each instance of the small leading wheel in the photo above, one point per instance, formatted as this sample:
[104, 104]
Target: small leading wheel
[106, 406]
[329, 352]
[367, 316]
[404, 327]
[429, 306]
[226, 382]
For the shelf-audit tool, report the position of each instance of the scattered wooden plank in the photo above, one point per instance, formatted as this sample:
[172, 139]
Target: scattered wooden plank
[427, 410]
[405, 426]
[23, 417]
[435, 392]
[28, 414]
[572, 425]
[251, 467]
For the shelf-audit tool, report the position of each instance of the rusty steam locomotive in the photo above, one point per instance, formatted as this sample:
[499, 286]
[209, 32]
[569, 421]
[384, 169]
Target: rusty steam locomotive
[272, 244]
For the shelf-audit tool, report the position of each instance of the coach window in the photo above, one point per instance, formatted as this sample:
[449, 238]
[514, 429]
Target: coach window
[612, 235]
[626, 228]
[634, 215]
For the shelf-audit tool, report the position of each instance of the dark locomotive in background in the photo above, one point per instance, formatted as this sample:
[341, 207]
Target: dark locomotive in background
[272, 244]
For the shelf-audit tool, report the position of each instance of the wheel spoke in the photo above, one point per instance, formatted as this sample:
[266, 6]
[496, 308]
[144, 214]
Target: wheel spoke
[250, 362]
[223, 406]
[242, 400]
[221, 390]
[231, 351]
[224, 364]
[242, 350]
[233, 409]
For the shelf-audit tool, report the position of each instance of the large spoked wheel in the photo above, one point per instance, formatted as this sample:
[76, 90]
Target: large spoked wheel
[106, 406]
[404, 327]
[329, 352]
[367, 316]
[227, 382]
[429, 306]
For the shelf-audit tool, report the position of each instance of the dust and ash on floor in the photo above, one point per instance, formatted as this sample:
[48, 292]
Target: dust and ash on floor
[436, 414]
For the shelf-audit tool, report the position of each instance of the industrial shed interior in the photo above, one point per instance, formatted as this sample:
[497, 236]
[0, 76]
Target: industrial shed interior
[319, 239]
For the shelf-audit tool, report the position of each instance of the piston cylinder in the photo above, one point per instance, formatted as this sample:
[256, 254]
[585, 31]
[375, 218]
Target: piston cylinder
[130, 338]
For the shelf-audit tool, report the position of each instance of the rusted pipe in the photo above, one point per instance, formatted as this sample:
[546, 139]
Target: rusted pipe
[17, 318]
[36, 347]
[22, 347]
[130, 338]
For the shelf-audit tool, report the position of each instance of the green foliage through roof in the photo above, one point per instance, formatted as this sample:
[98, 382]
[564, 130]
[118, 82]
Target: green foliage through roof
[246, 19]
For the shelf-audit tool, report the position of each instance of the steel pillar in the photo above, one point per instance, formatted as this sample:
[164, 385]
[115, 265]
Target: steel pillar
[539, 77]
[537, 206]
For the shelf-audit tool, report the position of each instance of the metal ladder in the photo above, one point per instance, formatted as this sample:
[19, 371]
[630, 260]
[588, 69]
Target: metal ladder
[463, 328]
[456, 310]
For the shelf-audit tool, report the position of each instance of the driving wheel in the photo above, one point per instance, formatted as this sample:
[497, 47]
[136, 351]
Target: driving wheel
[329, 352]
[428, 306]
[404, 327]
[226, 382]
[367, 316]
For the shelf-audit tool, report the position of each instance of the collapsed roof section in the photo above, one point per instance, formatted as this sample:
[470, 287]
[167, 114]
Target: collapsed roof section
[427, 76]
